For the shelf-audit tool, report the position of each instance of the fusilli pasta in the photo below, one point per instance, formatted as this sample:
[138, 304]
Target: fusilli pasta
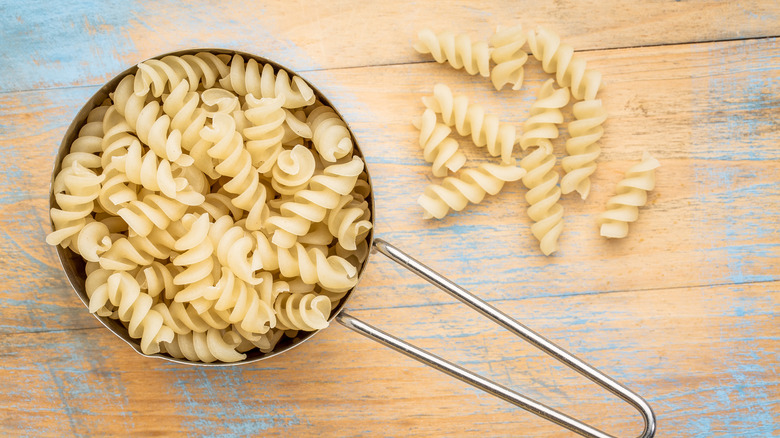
[581, 146]
[472, 186]
[457, 49]
[471, 119]
[623, 208]
[570, 70]
[509, 56]
[438, 147]
[217, 204]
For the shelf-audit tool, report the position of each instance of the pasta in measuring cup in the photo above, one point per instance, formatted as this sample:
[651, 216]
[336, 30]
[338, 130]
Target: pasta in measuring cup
[218, 205]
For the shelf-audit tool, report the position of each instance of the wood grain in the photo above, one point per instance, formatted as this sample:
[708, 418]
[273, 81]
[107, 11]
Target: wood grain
[88, 383]
[104, 37]
[684, 310]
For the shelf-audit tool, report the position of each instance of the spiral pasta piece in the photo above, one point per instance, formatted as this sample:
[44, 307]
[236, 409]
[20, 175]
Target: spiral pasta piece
[544, 115]
[302, 311]
[157, 280]
[196, 257]
[486, 130]
[145, 120]
[456, 193]
[581, 146]
[330, 135]
[293, 170]
[247, 78]
[233, 246]
[349, 222]
[314, 266]
[210, 346]
[151, 211]
[543, 196]
[570, 70]
[182, 106]
[509, 56]
[134, 307]
[266, 133]
[243, 303]
[92, 240]
[438, 148]
[157, 75]
[75, 190]
[146, 170]
[311, 205]
[457, 49]
[88, 144]
[623, 208]
[235, 162]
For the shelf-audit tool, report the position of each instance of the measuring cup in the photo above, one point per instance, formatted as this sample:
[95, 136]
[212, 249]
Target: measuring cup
[74, 265]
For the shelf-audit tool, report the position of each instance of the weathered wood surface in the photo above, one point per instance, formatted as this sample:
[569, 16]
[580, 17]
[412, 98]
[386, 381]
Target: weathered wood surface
[684, 310]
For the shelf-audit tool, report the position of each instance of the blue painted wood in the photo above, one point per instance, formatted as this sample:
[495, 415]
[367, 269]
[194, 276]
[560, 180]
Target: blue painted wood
[684, 311]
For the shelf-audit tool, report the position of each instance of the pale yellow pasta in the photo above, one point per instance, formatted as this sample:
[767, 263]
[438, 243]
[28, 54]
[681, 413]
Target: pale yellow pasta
[235, 162]
[457, 49]
[134, 307]
[302, 311]
[541, 179]
[75, 189]
[569, 68]
[215, 206]
[349, 221]
[545, 114]
[196, 251]
[155, 76]
[471, 187]
[92, 240]
[543, 195]
[438, 148]
[329, 134]
[266, 132]
[314, 266]
[311, 205]
[248, 78]
[243, 304]
[509, 56]
[213, 345]
[151, 211]
[623, 208]
[581, 146]
[293, 170]
[486, 129]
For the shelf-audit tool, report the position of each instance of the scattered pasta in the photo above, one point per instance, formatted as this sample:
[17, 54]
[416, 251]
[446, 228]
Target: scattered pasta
[456, 49]
[456, 193]
[623, 208]
[581, 146]
[486, 130]
[506, 48]
[219, 207]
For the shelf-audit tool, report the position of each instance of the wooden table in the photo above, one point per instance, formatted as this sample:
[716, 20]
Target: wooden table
[684, 311]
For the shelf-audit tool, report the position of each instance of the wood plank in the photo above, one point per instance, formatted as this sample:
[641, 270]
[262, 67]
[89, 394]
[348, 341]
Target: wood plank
[704, 357]
[103, 38]
[713, 135]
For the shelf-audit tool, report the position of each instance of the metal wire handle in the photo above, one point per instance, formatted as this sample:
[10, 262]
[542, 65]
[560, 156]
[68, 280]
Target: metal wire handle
[513, 326]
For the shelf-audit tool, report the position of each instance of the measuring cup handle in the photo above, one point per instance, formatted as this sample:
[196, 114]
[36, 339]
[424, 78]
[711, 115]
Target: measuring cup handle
[513, 326]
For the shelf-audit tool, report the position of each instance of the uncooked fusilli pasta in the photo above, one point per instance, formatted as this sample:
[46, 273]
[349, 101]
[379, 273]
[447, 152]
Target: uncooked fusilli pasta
[456, 193]
[623, 208]
[486, 130]
[457, 49]
[217, 204]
